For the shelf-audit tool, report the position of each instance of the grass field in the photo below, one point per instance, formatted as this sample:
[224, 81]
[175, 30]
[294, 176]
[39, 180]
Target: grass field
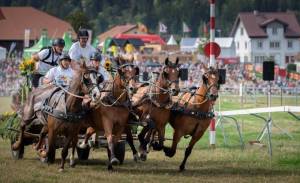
[226, 163]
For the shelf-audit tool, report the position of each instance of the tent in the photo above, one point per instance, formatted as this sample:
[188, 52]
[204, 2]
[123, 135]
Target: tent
[95, 43]
[2, 53]
[43, 42]
[68, 41]
[172, 41]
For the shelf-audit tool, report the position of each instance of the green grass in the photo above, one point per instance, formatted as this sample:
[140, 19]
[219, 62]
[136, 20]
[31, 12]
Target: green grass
[227, 163]
[5, 104]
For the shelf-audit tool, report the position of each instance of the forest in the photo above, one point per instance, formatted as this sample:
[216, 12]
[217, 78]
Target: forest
[100, 15]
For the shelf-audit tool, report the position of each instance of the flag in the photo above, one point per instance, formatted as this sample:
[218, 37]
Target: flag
[162, 27]
[205, 30]
[185, 28]
[26, 37]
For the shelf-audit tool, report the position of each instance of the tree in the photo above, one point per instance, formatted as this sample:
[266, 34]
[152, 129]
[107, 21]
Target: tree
[78, 20]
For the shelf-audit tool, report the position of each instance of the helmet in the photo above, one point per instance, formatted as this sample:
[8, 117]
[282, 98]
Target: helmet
[96, 56]
[64, 56]
[58, 42]
[83, 33]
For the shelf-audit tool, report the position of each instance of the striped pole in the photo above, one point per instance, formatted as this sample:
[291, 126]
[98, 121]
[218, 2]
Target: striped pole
[212, 63]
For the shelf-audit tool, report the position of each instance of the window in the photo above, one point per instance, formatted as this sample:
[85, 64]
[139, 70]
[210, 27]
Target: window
[259, 44]
[245, 45]
[242, 31]
[290, 44]
[274, 44]
[256, 59]
[274, 30]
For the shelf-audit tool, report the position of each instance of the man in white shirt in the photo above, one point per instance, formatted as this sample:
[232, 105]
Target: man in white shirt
[62, 74]
[46, 59]
[81, 49]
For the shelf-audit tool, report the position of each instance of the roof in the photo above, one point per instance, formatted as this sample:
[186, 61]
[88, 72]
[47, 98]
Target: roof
[16, 19]
[255, 22]
[189, 42]
[146, 38]
[224, 42]
[119, 29]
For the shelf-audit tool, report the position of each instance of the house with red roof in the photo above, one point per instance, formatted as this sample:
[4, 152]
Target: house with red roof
[15, 20]
[261, 35]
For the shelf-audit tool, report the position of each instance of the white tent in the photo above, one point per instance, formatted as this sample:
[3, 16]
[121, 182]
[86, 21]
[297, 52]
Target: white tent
[172, 41]
[2, 53]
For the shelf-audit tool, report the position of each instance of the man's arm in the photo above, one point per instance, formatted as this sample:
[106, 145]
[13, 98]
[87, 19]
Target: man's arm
[49, 77]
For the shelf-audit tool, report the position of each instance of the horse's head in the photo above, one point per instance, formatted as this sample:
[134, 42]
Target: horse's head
[128, 74]
[170, 76]
[211, 80]
[90, 80]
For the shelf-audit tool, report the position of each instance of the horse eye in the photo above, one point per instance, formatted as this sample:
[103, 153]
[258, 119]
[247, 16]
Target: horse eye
[86, 76]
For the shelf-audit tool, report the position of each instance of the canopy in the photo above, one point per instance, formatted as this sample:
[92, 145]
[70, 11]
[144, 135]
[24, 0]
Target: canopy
[172, 41]
[43, 42]
[68, 41]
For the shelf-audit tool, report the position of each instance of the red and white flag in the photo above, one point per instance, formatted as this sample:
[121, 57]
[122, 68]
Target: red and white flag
[185, 28]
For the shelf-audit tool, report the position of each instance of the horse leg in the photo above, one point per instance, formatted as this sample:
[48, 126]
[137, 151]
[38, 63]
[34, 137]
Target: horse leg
[161, 137]
[143, 143]
[74, 142]
[189, 149]
[64, 152]
[170, 152]
[51, 144]
[89, 132]
[108, 127]
[129, 140]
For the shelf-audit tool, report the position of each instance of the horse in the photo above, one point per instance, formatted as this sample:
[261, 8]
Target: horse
[61, 112]
[112, 112]
[193, 113]
[154, 105]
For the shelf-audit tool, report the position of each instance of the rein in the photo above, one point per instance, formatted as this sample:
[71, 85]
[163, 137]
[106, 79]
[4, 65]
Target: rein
[72, 94]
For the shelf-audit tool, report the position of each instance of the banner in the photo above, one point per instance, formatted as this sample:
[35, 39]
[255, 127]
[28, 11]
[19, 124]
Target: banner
[26, 38]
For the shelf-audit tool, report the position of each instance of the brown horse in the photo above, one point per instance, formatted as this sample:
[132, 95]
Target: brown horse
[111, 115]
[62, 112]
[193, 114]
[155, 103]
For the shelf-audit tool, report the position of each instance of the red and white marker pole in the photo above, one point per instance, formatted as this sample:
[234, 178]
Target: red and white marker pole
[212, 63]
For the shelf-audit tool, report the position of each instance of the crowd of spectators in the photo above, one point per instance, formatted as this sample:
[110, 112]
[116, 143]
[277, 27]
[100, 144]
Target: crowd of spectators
[10, 77]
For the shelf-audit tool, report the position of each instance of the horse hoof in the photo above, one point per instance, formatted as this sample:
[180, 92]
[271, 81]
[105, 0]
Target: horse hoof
[156, 146]
[42, 153]
[169, 152]
[181, 168]
[114, 161]
[136, 157]
[143, 157]
[72, 164]
[16, 146]
[60, 170]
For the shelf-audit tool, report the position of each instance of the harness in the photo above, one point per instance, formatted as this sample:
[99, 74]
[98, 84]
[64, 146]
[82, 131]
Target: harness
[53, 62]
[61, 114]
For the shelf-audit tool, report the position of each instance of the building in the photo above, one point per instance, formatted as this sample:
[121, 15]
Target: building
[188, 44]
[228, 54]
[121, 29]
[259, 35]
[15, 20]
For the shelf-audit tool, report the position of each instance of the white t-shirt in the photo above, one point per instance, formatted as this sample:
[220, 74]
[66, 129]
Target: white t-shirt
[76, 51]
[60, 76]
[43, 67]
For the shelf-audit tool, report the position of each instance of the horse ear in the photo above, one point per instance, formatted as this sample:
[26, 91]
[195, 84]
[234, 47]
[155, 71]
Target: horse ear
[117, 59]
[177, 61]
[167, 61]
[82, 64]
[120, 72]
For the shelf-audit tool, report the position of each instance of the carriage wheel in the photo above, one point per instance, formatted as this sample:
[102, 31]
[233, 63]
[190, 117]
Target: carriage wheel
[120, 151]
[17, 154]
[83, 154]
